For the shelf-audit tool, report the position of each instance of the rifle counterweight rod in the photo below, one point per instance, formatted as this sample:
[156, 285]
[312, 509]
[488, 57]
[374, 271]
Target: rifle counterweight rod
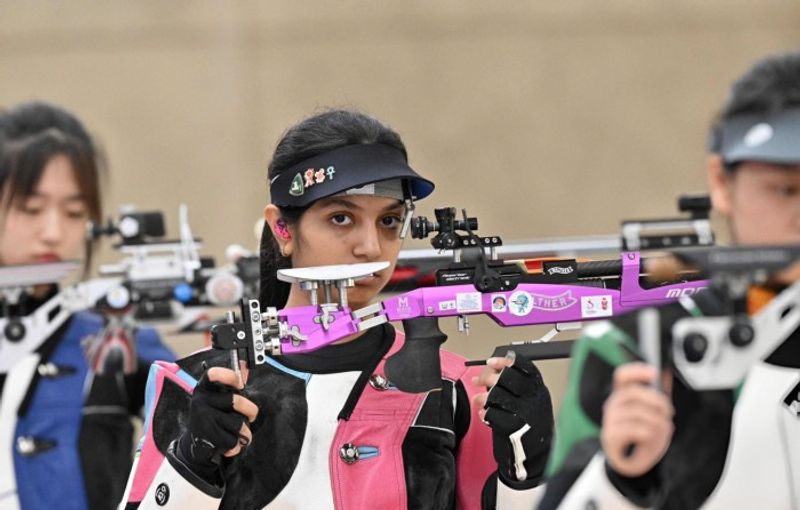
[533, 351]
[527, 250]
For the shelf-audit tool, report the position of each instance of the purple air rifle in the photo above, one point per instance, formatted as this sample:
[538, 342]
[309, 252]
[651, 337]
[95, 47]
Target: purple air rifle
[565, 292]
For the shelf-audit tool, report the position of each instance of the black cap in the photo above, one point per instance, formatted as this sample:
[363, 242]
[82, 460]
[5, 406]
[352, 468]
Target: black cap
[339, 170]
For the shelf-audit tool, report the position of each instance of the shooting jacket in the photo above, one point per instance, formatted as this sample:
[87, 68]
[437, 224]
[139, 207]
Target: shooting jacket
[332, 433]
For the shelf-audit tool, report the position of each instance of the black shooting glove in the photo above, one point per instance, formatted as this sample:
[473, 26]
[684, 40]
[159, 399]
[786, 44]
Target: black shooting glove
[213, 429]
[520, 413]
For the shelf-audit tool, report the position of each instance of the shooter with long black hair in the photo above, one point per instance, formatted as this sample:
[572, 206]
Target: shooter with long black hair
[327, 429]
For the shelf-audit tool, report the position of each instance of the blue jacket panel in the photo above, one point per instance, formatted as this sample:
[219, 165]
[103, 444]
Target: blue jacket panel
[52, 476]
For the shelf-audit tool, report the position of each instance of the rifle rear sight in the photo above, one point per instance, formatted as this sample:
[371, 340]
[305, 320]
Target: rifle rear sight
[133, 227]
[448, 227]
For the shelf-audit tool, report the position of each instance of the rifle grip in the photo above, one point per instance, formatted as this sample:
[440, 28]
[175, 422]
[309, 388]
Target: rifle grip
[416, 367]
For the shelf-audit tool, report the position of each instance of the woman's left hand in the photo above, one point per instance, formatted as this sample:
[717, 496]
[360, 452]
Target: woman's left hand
[488, 378]
[518, 409]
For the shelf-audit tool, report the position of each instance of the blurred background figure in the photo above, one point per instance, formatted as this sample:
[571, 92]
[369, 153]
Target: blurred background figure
[702, 443]
[65, 422]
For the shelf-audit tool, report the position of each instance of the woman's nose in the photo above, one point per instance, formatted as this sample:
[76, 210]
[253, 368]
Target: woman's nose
[368, 245]
[52, 227]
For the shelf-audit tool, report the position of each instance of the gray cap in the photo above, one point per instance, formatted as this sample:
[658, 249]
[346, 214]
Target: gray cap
[772, 138]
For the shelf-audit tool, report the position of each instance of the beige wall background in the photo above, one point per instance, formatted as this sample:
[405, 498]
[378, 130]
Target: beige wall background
[543, 118]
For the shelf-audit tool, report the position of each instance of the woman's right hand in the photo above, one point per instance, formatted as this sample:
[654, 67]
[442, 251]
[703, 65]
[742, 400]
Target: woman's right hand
[637, 421]
[218, 421]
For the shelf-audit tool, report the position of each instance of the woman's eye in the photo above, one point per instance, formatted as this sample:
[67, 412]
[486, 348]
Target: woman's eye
[391, 221]
[31, 210]
[77, 214]
[786, 190]
[341, 219]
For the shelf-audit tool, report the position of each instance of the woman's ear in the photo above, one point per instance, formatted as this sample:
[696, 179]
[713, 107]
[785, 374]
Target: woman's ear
[719, 185]
[280, 229]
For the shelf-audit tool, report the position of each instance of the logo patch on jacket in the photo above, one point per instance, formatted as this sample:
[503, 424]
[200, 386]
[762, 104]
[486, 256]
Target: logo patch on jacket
[162, 494]
[792, 401]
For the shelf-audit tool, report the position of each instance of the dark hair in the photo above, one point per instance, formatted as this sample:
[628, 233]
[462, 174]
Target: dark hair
[31, 134]
[771, 85]
[310, 137]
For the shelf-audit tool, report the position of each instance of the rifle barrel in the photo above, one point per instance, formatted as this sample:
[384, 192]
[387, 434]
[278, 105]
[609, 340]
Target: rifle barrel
[599, 268]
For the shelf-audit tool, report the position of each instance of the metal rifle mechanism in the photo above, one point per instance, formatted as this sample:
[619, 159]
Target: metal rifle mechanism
[418, 267]
[715, 352]
[21, 332]
[564, 292]
[159, 278]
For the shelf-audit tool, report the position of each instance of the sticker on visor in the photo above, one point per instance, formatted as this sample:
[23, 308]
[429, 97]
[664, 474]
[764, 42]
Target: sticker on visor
[297, 188]
[309, 178]
[758, 135]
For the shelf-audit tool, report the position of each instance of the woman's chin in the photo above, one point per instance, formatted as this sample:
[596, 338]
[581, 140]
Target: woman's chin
[361, 296]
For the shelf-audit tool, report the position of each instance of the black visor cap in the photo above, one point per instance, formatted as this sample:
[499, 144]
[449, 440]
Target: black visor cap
[339, 170]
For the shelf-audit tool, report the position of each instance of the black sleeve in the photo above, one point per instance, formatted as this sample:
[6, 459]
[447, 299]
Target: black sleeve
[461, 420]
[641, 490]
[135, 385]
[489, 493]
[105, 444]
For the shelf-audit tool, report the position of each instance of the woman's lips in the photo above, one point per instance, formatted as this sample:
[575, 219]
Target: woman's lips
[47, 258]
[367, 280]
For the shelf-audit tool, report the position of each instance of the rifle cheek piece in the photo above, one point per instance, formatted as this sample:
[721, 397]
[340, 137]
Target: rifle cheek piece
[416, 367]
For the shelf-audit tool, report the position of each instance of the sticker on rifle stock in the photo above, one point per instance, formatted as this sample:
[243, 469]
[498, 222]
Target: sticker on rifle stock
[499, 303]
[596, 306]
[468, 302]
[520, 303]
[548, 303]
[565, 270]
[403, 308]
[445, 306]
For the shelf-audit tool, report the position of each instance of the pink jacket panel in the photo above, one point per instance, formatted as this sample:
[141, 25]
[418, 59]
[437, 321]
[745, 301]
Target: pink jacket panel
[381, 419]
